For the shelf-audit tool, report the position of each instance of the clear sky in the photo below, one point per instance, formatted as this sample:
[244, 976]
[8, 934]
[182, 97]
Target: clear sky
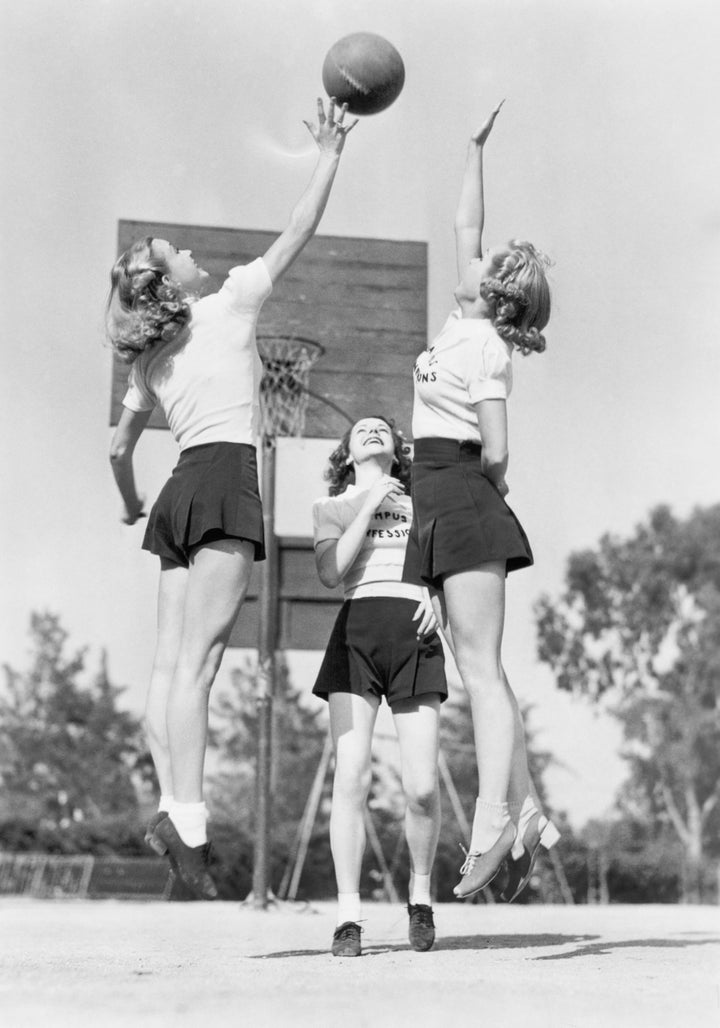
[605, 155]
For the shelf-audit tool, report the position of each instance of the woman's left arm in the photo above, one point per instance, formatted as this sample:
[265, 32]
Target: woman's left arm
[492, 422]
[128, 431]
[470, 213]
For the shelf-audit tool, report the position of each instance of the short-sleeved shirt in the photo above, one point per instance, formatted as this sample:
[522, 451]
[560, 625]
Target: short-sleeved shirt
[207, 379]
[377, 570]
[467, 362]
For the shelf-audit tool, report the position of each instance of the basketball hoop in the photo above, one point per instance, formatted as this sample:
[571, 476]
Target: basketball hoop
[287, 360]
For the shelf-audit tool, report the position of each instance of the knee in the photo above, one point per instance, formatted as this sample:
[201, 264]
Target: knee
[421, 795]
[352, 781]
[196, 676]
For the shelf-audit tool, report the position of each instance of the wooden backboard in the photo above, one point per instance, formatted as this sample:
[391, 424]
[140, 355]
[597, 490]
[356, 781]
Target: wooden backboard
[363, 300]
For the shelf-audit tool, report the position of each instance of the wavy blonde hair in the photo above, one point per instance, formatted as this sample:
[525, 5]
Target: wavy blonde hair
[518, 295]
[144, 306]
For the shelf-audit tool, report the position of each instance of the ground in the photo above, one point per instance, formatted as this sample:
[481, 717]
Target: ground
[150, 965]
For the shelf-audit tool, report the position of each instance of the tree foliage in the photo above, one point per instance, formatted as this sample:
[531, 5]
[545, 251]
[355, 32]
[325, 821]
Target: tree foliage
[639, 626]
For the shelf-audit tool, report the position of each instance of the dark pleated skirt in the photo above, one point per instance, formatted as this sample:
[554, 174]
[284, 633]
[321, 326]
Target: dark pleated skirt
[460, 520]
[212, 494]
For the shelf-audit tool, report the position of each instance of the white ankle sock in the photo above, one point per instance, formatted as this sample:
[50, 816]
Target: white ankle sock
[419, 891]
[525, 815]
[348, 907]
[488, 823]
[190, 819]
[166, 801]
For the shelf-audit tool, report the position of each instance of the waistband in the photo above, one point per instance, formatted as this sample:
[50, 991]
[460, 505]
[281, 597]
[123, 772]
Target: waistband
[208, 451]
[439, 449]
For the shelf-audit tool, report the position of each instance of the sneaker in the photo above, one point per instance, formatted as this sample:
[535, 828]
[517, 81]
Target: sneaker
[190, 863]
[156, 844]
[479, 869]
[346, 940]
[421, 929]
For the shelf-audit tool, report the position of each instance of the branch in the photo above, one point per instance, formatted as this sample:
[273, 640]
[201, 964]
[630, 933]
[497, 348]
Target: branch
[707, 808]
[674, 814]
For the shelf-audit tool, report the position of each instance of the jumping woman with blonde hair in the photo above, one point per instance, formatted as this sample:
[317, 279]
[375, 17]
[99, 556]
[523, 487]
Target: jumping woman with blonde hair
[196, 358]
[465, 538]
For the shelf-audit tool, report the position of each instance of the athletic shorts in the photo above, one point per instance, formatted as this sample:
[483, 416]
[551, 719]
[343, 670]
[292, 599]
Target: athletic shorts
[212, 494]
[374, 649]
[460, 520]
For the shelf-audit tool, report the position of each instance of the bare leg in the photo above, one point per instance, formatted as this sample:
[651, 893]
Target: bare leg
[417, 722]
[217, 582]
[475, 602]
[171, 603]
[352, 720]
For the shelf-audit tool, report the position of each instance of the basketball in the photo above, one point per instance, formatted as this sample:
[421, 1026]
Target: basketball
[364, 71]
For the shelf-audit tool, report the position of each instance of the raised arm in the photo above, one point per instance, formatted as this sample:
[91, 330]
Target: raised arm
[127, 433]
[470, 214]
[329, 134]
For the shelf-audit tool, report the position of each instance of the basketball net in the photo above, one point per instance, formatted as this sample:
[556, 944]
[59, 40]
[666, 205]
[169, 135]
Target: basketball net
[287, 360]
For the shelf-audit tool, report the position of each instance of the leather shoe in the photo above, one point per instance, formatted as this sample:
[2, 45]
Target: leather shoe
[539, 832]
[479, 869]
[190, 863]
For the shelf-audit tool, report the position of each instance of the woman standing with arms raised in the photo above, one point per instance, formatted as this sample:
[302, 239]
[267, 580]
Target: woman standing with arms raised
[197, 359]
[465, 539]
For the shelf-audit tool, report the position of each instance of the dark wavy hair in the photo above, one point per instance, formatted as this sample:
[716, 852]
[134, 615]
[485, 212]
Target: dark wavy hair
[518, 295]
[144, 306]
[340, 474]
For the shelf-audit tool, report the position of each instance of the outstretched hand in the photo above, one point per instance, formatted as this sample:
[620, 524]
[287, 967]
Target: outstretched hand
[480, 137]
[330, 133]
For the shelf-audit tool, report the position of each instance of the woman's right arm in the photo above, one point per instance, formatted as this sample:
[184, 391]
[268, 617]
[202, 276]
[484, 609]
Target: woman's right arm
[335, 557]
[127, 433]
[329, 134]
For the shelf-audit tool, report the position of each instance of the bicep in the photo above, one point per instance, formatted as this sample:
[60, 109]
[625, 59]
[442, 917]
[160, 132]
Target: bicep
[467, 247]
[492, 422]
[283, 252]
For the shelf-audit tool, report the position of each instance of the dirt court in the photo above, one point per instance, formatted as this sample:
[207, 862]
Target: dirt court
[107, 963]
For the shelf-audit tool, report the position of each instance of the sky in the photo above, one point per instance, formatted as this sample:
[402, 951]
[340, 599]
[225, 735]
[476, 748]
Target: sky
[605, 155]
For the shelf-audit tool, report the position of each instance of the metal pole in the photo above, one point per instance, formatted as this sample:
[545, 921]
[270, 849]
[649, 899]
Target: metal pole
[267, 645]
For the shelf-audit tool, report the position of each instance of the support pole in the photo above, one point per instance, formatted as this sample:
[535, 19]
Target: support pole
[267, 645]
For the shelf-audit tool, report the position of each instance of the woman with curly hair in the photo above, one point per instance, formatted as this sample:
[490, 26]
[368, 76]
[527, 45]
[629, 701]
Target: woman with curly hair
[465, 539]
[197, 359]
[384, 644]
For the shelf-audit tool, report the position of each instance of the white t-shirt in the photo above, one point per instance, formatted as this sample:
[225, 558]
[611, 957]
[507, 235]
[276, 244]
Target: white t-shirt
[207, 379]
[377, 569]
[467, 362]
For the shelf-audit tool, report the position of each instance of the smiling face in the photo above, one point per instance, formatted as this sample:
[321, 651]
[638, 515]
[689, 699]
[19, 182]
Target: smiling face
[371, 438]
[181, 268]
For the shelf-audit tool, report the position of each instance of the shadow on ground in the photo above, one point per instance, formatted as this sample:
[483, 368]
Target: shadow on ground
[586, 946]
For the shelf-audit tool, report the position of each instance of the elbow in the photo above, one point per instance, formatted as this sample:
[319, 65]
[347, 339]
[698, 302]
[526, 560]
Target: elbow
[119, 454]
[328, 579]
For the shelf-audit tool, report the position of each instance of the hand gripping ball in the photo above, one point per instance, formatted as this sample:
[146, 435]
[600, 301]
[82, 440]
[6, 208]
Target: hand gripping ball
[364, 71]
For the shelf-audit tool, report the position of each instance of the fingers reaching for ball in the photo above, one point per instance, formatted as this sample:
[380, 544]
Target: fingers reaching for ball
[330, 131]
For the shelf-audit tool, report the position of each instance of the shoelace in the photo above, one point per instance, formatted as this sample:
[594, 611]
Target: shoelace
[469, 863]
[423, 917]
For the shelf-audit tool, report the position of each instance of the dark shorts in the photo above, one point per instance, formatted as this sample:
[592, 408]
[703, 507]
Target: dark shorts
[212, 494]
[373, 648]
[460, 520]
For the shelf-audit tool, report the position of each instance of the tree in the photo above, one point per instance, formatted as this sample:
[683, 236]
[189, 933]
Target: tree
[68, 754]
[638, 627]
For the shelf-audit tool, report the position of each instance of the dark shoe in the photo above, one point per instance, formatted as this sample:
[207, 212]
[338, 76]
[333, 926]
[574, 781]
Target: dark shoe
[190, 863]
[155, 844]
[479, 869]
[539, 832]
[346, 940]
[421, 930]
